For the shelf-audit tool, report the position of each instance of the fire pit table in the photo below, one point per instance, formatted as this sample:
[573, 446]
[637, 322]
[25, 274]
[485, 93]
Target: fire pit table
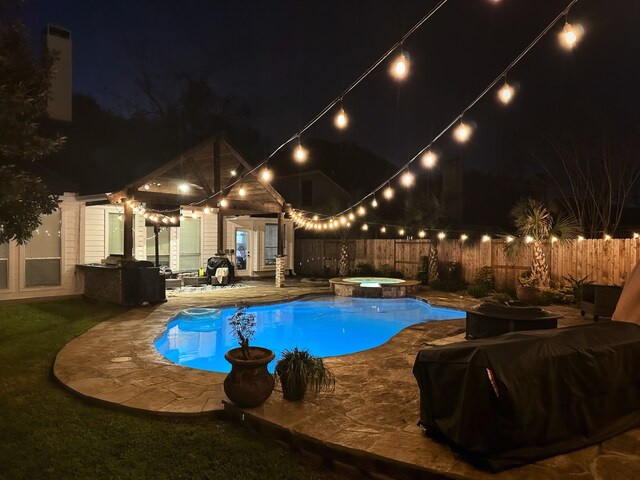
[493, 319]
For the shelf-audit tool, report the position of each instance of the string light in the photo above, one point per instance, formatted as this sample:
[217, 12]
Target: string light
[388, 193]
[165, 220]
[341, 120]
[636, 235]
[401, 231]
[383, 229]
[183, 187]
[233, 173]
[266, 174]
[300, 154]
[223, 202]
[374, 202]
[400, 67]
[343, 220]
[147, 186]
[486, 238]
[242, 192]
[429, 159]
[462, 132]
[442, 235]
[554, 239]
[570, 35]
[407, 179]
[181, 218]
[528, 239]
[506, 93]
[463, 237]
[361, 211]
[607, 236]
[509, 239]
[315, 218]
[172, 219]
[422, 234]
[365, 227]
[207, 210]
[351, 216]
[580, 238]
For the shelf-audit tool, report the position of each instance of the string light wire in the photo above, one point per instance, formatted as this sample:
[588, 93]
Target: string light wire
[459, 117]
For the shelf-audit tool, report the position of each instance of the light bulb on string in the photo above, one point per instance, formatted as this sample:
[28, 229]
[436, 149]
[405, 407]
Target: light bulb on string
[429, 159]
[442, 235]
[407, 179]
[374, 203]
[383, 229]
[388, 192]
[400, 66]
[300, 153]
[315, 218]
[463, 237]
[462, 132]
[242, 192]
[361, 211]
[266, 174]
[570, 35]
[351, 216]
[401, 232]
[207, 210]
[341, 121]
[343, 220]
[422, 234]
[224, 203]
[486, 238]
[506, 93]
[365, 227]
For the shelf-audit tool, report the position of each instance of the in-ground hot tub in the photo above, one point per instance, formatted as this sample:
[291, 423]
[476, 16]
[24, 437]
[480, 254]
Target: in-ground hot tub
[373, 287]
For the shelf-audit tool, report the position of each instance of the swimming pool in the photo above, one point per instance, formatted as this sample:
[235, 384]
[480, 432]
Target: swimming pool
[327, 326]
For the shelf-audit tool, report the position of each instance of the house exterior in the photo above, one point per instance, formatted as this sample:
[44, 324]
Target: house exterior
[311, 189]
[87, 229]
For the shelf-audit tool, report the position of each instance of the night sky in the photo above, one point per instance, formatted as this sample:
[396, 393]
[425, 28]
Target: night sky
[289, 59]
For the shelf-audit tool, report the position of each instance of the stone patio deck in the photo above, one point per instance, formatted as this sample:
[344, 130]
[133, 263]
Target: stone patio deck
[371, 416]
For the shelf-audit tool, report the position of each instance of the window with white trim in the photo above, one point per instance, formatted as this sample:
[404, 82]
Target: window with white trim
[42, 254]
[116, 234]
[271, 243]
[190, 244]
[163, 246]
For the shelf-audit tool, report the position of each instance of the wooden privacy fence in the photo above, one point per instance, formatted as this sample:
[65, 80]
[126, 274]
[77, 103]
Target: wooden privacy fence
[603, 261]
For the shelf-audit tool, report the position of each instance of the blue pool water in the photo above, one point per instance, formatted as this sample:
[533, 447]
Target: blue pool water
[327, 326]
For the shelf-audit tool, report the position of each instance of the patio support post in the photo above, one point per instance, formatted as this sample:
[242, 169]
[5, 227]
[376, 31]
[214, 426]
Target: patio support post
[156, 231]
[217, 185]
[280, 258]
[128, 231]
[220, 232]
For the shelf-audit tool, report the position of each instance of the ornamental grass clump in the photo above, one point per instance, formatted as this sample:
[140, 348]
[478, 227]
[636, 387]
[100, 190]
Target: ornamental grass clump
[300, 371]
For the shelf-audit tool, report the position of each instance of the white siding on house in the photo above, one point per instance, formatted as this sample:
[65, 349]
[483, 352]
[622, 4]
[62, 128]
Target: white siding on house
[209, 236]
[140, 238]
[94, 234]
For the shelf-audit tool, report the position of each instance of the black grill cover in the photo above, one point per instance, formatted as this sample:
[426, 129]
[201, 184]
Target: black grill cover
[218, 262]
[553, 391]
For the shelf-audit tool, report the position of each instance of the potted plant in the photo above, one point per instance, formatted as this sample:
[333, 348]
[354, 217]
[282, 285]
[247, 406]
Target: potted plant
[249, 383]
[528, 288]
[299, 371]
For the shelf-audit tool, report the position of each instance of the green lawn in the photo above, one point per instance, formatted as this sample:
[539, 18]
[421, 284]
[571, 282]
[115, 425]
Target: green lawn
[46, 432]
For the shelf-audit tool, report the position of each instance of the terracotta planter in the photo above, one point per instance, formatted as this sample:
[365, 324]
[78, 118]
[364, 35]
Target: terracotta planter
[249, 383]
[528, 294]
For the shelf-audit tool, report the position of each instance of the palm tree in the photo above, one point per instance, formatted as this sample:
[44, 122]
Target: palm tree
[426, 211]
[536, 224]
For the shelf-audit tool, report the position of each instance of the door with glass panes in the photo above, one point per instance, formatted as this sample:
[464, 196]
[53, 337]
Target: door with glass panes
[243, 254]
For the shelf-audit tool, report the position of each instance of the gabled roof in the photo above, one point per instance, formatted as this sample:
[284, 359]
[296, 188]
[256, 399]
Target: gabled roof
[207, 172]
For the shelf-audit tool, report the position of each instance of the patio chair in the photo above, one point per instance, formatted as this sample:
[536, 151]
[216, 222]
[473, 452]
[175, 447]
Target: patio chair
[599, 300]
[221, 276]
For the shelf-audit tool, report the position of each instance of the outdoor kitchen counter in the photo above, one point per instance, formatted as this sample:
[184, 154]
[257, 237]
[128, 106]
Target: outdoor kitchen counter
[103, 282]
[134, 283]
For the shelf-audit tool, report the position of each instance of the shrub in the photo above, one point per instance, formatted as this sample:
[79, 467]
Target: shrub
[477, 290]
[450, 277]
[389, 272]
[556, 293]
[364, 270]
[423, 270]
[577, 285]
[501, 297]
[485, 278]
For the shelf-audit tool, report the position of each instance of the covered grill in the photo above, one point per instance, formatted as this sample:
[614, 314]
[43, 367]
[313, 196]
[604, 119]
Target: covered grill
[214, 263]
